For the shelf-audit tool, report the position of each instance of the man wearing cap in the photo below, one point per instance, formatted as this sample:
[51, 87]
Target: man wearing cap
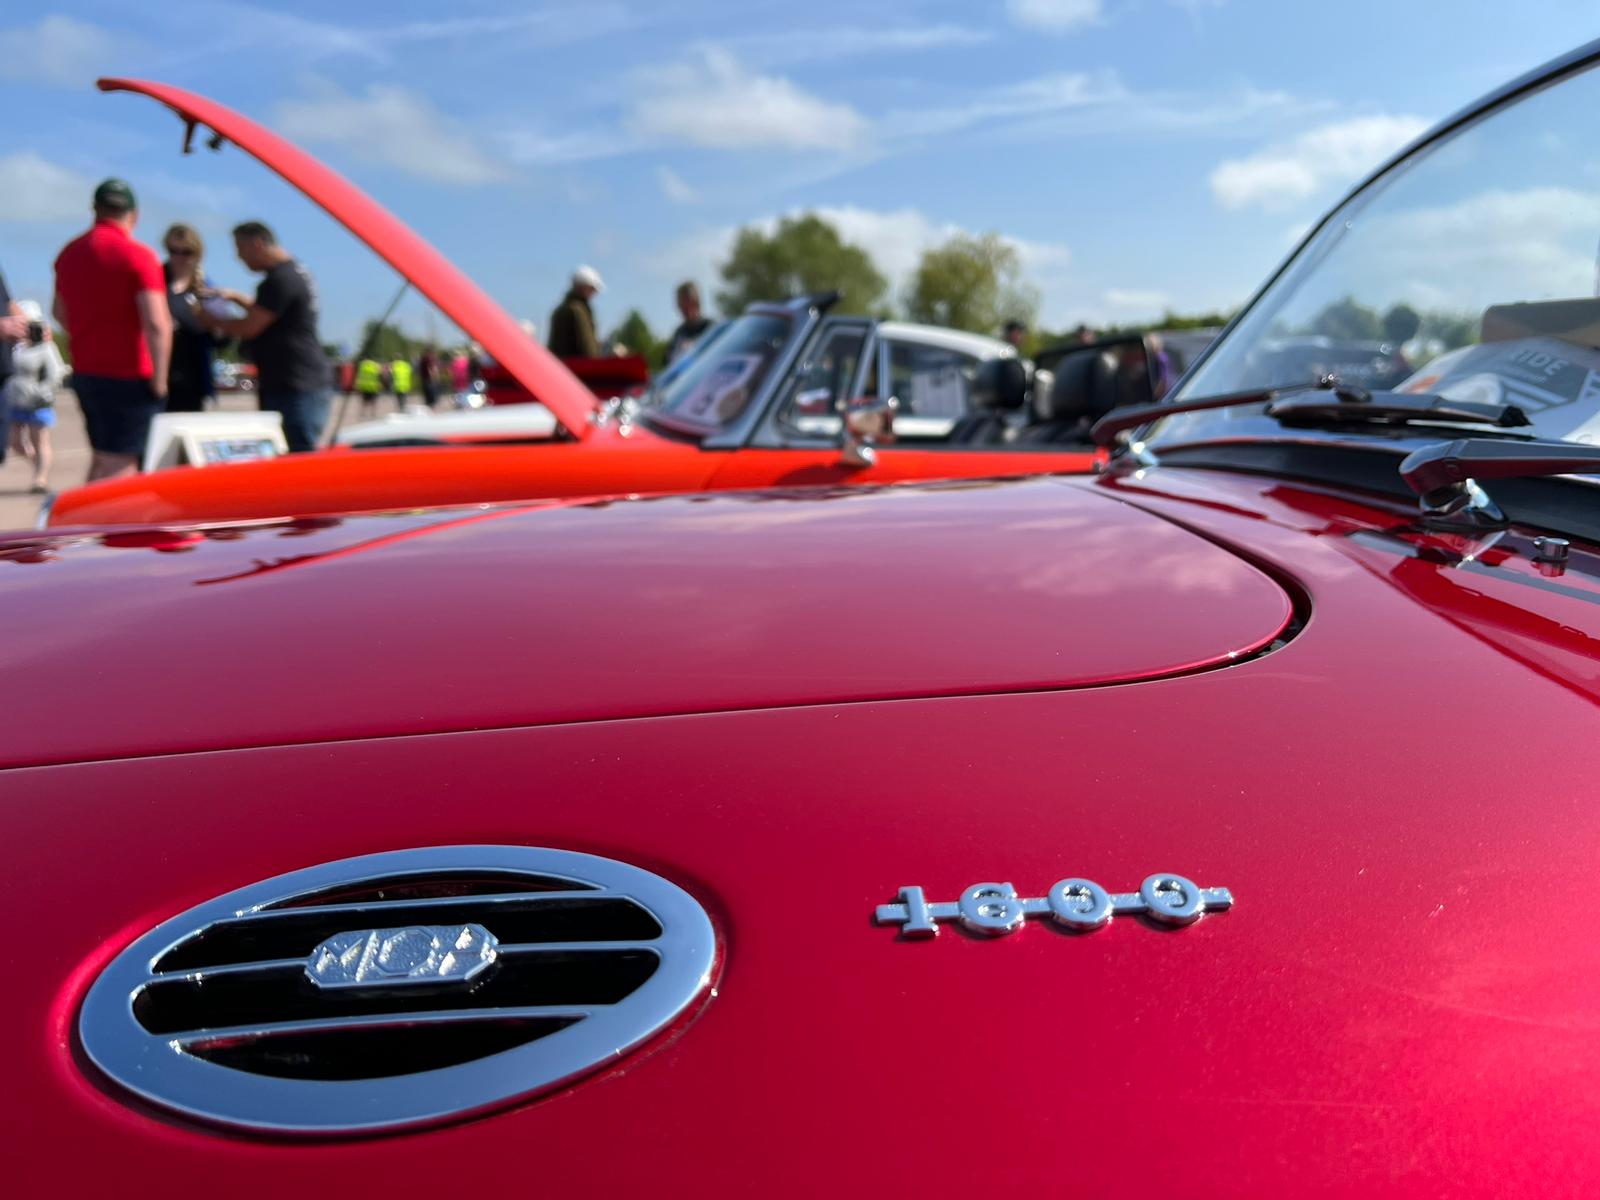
[111, 297]
[572, 324]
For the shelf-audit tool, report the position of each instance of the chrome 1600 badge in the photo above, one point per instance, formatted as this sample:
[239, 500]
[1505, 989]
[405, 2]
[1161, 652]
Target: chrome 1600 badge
[995, 908]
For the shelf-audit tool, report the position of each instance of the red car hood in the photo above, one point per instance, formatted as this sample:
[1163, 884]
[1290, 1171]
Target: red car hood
[1399, 797]
[534, 367]
[571, 612]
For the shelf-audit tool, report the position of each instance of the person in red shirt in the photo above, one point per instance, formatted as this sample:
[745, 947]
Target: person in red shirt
[111, 297]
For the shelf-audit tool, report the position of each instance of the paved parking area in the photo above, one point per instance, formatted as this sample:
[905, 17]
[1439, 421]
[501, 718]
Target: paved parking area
[19, 509]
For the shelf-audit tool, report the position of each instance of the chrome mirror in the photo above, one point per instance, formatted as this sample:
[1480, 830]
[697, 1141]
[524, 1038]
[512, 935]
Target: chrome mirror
[868, 423]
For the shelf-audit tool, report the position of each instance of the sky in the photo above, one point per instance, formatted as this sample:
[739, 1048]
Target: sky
[1142, 155]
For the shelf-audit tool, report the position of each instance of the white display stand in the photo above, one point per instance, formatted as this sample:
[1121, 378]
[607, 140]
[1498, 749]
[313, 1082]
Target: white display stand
[201, 439]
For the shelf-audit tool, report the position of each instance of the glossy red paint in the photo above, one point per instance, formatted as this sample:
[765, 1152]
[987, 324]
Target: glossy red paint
[435, 276]
[987, 588]
[1399, 1003]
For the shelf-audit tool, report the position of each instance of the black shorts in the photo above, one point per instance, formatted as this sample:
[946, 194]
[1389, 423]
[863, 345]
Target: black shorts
[117, 412]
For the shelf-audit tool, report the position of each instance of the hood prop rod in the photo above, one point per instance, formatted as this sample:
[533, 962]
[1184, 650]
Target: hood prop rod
[367, 344]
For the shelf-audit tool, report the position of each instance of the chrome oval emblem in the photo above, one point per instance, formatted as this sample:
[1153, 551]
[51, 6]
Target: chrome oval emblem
[397, 989]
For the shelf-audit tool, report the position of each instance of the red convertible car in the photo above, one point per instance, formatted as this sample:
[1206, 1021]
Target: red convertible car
[1072, 835]
[741, 415]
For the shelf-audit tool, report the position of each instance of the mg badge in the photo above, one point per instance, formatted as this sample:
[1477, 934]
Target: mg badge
[995, 908]
[407, 957]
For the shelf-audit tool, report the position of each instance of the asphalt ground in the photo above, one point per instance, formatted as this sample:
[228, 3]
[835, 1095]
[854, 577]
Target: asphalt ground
[19, 509]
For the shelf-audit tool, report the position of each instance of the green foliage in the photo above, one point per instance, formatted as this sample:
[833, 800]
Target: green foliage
[803, 255]
[389, 343]
[1168, 320]
[636, 335]
[1348, 320]
[973, 282]
[1447, 330]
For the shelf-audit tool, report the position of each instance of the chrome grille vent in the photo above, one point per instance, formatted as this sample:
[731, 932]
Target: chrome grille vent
[397, 989]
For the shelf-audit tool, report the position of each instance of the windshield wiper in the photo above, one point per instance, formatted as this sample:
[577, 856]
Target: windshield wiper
[1445, 475]
[1396, 408]
[1119, 420]
[1343, 404]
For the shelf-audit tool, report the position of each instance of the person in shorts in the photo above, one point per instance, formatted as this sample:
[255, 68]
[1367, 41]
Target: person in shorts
[111, 298]
[280, 331]
[13, 328]
[29, 394]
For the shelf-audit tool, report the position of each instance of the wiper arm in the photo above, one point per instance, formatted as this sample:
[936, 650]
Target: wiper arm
[1395, 408]
[1344, 403]
[1119, 420]
[1445, 475]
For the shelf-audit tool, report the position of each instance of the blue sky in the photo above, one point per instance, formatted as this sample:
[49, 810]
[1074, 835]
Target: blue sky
[1141, 153]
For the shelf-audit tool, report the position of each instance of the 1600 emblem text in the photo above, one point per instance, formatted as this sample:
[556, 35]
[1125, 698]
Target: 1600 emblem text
[995, 908]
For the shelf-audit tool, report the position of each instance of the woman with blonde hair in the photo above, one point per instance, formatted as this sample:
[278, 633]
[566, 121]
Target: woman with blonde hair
[189, 382]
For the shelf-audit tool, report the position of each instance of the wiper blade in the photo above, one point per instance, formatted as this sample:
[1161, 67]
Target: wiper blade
[1341, 403]
[1119, 420]
[1396, 408]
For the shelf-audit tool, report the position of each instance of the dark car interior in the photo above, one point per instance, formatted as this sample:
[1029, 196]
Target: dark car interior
[1070, 389]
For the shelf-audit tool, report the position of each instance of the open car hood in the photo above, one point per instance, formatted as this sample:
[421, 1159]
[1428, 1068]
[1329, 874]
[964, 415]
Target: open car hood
[463, 301]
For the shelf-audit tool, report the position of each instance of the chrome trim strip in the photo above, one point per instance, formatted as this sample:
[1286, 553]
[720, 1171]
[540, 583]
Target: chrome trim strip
[200, 1037]
[369, 906]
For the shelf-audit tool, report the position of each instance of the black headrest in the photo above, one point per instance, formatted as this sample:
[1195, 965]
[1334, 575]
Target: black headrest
[1085, 388]
[1000, 385]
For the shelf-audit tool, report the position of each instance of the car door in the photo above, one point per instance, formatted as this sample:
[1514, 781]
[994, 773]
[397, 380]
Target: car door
[801, 440]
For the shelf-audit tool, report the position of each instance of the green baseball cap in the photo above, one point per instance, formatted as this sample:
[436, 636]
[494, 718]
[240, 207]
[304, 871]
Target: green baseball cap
[116, 195]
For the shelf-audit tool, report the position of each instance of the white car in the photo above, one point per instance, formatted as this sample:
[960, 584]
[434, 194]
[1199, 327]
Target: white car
[929, 371]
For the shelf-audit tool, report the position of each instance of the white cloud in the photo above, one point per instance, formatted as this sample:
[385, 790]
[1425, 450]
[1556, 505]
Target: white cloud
[805, 45]
[1498, 246]
[392, 127]
[1137, 299]
[1054, 16]
[247, 27]
[1338, 153]
[1071, 103]
[715, 101]
[674, 187]
[58, 50]
[38, 190]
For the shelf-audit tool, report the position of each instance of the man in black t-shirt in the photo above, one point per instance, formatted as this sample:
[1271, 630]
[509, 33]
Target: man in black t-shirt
[279, 329]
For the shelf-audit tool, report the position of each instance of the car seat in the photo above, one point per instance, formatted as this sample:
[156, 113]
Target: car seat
[1085, 389]
[999, 388]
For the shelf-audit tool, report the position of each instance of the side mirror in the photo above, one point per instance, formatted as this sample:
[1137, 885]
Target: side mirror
[868, 423]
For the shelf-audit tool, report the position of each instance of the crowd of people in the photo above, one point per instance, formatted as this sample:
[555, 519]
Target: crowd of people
[145, 334]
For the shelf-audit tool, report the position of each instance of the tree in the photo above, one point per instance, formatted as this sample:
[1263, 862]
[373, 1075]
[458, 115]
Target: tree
[803, 255]
[972, 282]
[389, 342]
[1349, 320]
[635, 334]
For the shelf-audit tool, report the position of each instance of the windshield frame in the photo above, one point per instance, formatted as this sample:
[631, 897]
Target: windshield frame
[1554, 72]
[803, 316]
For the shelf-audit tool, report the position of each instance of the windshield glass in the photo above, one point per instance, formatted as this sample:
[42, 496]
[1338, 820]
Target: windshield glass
[1469, 271]
[716, 385]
